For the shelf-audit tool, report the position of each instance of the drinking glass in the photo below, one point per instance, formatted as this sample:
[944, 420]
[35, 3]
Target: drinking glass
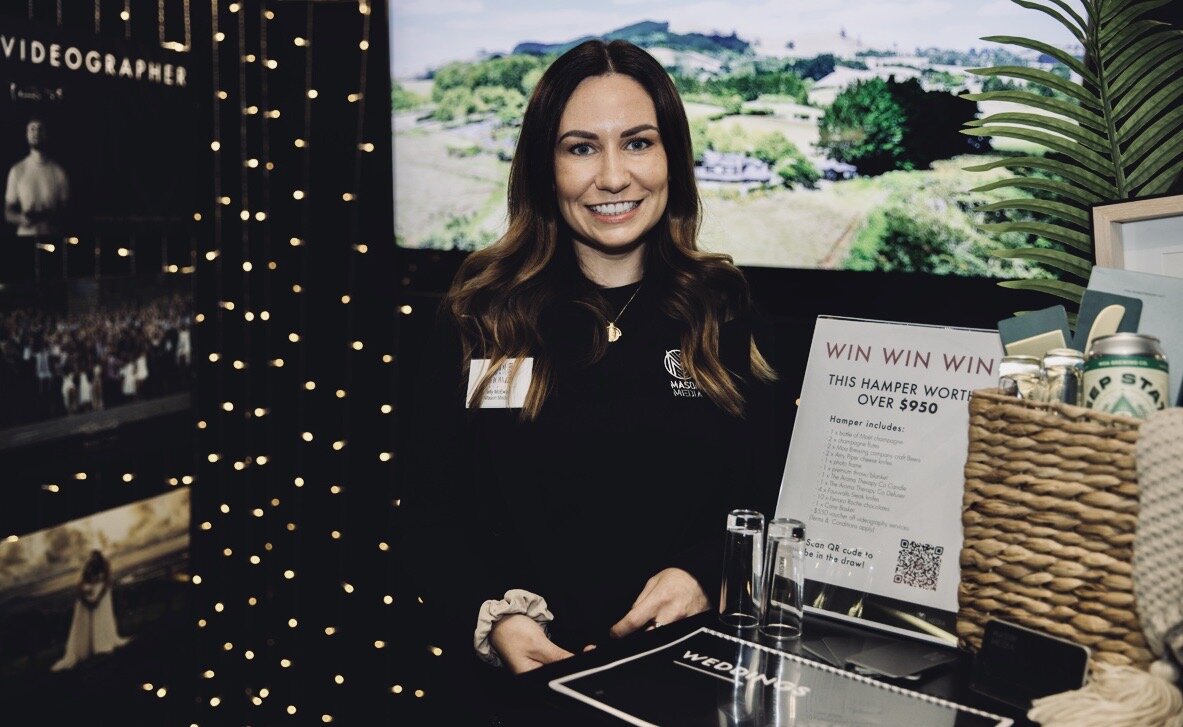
[782, 604]
[743, 549]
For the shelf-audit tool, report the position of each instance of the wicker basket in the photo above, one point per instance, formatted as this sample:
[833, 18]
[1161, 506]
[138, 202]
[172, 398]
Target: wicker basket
[1050, 509]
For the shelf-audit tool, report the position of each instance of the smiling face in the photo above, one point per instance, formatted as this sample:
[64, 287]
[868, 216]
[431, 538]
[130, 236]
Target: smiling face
[611, 174]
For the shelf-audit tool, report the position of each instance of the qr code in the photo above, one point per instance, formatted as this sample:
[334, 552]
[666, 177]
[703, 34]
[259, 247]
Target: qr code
[918, 564]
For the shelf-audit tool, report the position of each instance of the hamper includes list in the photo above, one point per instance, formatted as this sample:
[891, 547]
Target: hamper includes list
[875, 468]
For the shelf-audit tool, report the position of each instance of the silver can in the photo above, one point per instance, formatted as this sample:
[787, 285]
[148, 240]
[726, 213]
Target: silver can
[1063, 371]
[1126, 373]
[1020, 376]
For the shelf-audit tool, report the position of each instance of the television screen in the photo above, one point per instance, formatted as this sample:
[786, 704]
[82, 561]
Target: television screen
[826, 134]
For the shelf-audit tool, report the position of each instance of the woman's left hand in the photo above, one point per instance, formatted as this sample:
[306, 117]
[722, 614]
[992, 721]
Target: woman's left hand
[671, 595]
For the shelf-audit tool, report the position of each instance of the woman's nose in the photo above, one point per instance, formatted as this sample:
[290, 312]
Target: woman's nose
[613, 175]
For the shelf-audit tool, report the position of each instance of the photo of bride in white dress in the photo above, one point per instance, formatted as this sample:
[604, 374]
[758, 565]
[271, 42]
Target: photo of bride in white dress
[92, 629]
[84, 597]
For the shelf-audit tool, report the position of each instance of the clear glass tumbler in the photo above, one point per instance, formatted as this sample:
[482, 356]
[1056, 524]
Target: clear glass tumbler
[743, 551]
[782, 604]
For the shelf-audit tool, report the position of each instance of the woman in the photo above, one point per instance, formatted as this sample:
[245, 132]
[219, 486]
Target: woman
[92, 629]
[597, 373]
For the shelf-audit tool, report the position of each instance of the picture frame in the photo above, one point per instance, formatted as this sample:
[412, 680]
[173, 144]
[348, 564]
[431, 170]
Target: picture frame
[1141, 235]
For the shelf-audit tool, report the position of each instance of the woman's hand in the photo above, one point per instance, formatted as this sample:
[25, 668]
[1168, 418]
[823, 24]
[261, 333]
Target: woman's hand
[671, 595]
[522, 644]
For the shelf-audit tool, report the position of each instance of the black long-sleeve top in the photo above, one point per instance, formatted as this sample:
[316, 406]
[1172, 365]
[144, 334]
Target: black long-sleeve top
[629, 469]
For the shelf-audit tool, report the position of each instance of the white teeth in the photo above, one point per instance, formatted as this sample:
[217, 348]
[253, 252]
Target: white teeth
[616, 208]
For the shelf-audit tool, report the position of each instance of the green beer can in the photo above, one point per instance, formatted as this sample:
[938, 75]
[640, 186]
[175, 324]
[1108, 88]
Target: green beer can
[1127, 374]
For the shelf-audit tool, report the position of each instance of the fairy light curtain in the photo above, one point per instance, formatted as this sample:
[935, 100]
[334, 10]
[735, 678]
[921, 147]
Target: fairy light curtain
[293, 542]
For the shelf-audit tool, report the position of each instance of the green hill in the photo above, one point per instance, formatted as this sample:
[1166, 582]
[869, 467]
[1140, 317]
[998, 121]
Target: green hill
[649, 34]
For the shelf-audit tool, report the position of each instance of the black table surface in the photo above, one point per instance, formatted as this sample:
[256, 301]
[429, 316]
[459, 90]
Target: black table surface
[532, 703]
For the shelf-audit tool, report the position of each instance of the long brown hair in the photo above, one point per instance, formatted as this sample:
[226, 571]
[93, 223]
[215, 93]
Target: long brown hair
[500, 291]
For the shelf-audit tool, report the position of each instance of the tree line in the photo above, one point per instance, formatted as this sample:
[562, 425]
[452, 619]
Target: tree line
[877, 125]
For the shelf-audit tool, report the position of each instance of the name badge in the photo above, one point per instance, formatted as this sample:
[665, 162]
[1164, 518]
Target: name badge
[501, 393]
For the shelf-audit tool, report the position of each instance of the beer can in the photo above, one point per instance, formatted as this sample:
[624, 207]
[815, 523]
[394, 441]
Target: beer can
[1063, 370]
[1126, 373]
[1020, 376]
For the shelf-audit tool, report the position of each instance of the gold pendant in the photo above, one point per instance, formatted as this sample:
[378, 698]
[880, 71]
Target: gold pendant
[614, 333]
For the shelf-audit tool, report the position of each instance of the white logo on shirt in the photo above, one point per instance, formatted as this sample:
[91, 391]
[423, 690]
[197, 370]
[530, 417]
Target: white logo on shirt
[681, 385]
[673, 364]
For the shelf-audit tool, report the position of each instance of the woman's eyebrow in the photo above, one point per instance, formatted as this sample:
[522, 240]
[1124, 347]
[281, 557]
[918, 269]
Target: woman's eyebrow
[638, 129]
[579, 133]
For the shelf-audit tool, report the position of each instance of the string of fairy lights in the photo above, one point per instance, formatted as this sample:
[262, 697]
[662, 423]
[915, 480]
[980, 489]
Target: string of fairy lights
[233, 380]
[272, 483]
[292, 380]
[303, 42]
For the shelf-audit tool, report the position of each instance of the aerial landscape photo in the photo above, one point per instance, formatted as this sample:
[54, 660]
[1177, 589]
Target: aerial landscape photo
[826, 135]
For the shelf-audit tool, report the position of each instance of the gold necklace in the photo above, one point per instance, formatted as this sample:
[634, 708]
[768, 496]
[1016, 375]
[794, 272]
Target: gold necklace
[614, 332]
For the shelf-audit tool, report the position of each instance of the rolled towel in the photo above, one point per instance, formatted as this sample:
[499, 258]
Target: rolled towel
[1158, 544]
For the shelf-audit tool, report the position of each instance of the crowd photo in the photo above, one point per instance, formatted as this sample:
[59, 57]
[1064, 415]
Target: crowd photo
[55, 364]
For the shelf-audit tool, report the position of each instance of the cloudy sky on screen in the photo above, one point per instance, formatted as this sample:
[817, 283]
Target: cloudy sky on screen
[428, 33]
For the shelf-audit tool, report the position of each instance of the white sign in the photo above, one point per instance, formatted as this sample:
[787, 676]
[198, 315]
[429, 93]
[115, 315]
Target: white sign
[875, 465]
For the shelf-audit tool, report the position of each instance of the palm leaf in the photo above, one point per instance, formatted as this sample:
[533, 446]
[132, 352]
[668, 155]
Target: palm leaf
[1137, 93]
[1090, 160]
[1163, 181]
[1067, 291]
[1100, 186]
[1057, 233]
[1069, 110]
[1071, 13]
[1076, 28]
[1070, 213]
[1158, 134]
[1048, 123]
[1151, 52]
[1043, 78]
[1154, 163]
[1113, 42]
[1055, 186]
[1111, 9]
[1047, 49]
[1156, 104]
[1122, 55]
[1065, 261]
